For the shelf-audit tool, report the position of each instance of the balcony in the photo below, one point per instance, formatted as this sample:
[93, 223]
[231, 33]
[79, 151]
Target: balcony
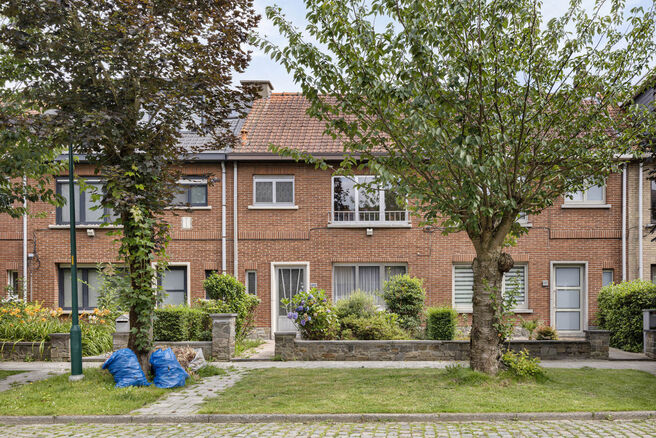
[369, 219]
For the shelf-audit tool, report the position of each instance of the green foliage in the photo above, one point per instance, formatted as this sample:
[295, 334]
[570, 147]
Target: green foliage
[113, 287]
[312, 314]
[620, 311]
[379, 326]
[359, 304]
[181, 323]
[210, 370]
[462, 375]
[404, 295]
[441, 323]
[546, 333]
[522, 365]
[223, 287]
[530, 325]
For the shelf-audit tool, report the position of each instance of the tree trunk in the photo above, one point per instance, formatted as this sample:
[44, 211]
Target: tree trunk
[142, 354]
[489, 267]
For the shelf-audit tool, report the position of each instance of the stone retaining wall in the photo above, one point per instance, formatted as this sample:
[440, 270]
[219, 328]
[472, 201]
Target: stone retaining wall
[58, 349]
[650, 343]
[289, 348]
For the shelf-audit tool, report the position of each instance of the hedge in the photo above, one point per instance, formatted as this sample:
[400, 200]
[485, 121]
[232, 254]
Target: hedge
[404, 295]
[620, 311]
[181, 323]
[441, 323]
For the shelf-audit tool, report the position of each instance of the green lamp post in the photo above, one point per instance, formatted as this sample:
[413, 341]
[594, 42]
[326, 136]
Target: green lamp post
[76, 333]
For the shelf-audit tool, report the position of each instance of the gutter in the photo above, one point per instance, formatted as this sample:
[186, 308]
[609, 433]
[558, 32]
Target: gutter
[235, 240]
[624, 201]
[640, 223]
[24, 282]
[223, 218]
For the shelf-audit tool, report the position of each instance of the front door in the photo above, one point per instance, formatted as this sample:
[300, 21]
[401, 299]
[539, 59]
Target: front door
[289, 281]
[569, 298]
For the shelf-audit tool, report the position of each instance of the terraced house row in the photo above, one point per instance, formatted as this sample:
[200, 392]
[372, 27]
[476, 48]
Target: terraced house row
[282, 226]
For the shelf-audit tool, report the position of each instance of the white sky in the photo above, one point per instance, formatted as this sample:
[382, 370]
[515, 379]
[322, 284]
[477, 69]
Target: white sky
[262, 67]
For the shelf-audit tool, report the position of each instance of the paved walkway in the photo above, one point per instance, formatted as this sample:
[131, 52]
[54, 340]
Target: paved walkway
[591, 429]
[189, 399]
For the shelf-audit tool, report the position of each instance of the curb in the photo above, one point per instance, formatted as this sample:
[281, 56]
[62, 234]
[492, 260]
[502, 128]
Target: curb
[327, 418]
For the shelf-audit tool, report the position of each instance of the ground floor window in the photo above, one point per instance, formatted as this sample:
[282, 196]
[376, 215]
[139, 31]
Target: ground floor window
[174, 286]
[88, 285]
[463, 286]
[12, 281]
[251, 282]
[606, 277]
[368, 278]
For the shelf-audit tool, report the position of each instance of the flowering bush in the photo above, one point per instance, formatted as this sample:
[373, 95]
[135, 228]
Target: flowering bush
[313, 314]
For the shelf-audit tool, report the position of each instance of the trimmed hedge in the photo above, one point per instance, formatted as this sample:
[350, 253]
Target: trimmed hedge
[441, 323]
[404, 295]
[620, 312]
[380, 326]
[181, 323]
[228, 295]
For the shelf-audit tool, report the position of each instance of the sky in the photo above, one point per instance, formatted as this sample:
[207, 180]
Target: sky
[262, 67]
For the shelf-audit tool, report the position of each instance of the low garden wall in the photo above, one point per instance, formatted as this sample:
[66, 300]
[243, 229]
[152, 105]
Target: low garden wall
[595, 345]
[650, 344]
[58, 349]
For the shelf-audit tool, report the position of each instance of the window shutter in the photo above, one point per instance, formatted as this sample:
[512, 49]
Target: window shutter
[463, 286]
[516, 279]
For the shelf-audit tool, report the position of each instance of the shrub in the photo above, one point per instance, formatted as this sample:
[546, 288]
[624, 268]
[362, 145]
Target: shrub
[404, 296]
[530, 325]
[113, 287]
[228, 295]
[620, 312]
[380, 326]
[181, 323]
[359, 304]
[441, 323]
[546, 333]
[312, 314]
[522, 365]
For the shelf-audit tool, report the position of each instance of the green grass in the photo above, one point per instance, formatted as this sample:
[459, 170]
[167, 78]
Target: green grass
[242, 347]
[6, 373]
[210, 370]
[94, 395]
[313, 391]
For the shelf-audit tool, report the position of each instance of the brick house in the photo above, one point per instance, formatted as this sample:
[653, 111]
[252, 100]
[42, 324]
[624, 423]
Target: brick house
[280, 226]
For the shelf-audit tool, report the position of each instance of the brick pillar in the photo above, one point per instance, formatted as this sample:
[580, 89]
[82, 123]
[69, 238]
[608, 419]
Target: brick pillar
[285, 346]
[650, 344]
[223, 335]
[60, 347]
[599, 343]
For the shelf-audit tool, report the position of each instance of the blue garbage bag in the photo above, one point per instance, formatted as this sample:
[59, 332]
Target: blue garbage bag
[124, 366]
[167, 370]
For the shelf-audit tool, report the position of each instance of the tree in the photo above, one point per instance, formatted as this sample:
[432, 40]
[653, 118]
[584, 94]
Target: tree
[476, 110]
[119, 79]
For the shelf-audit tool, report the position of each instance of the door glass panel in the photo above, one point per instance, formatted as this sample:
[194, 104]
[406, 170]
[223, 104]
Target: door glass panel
[568, 277]
[173, 279]
[568, 298]
[173, 298]
[568, 320]
[290, 282]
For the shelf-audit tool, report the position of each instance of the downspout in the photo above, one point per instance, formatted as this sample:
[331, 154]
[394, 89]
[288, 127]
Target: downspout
[223, 217]
[640, 224]
[235, 244]
[624, 192]
[24, 285]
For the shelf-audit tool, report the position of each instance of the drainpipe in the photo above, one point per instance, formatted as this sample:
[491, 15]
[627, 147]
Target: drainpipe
[24, 285]
[235, 245]
[624, 191]
[223, 217]
[640, 224]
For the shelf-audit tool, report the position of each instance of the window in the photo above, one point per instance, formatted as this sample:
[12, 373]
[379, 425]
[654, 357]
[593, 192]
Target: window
[88, 284]
[606, 277]
[463, 286]
[653, 273]
[273, 190]
[653, 202]
[368, 278]
[592, 195]
[174, 286]
[193, 193]
[251, 282]
[365, 204]
[13, 282]
[87, 211]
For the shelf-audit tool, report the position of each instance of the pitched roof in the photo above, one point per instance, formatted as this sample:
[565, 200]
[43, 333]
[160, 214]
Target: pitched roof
[282, 120]
[192, 141]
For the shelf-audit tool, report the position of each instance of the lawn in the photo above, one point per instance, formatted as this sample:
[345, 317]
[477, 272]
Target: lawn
[94, 395]
[313, 391]
[6, 373]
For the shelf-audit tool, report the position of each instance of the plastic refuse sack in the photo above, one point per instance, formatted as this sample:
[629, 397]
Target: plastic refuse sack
[124, 366]
[167, 370]
[199, 360]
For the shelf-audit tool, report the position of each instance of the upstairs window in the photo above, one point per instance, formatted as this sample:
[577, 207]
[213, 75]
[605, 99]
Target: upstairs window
[87, 211]
[273, 190]
[592, 195]
[192, 193]
[365, 204]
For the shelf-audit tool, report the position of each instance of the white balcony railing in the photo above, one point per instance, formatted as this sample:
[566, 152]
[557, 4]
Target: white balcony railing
[370, 216]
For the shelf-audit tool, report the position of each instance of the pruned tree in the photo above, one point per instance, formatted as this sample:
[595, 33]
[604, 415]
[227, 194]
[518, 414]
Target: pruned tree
[476, 110]
[119, 79]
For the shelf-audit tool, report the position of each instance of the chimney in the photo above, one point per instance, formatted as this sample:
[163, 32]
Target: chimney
[264, 87]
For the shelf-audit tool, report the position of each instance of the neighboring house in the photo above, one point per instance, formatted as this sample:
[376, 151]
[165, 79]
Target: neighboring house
[288, 226]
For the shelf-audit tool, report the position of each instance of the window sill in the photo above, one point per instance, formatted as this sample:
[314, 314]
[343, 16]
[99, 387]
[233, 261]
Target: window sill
[204, 207]
[85, 227]
[273, 207]
[470, 311]
[525, 224]
[598, 206]
[369, 225]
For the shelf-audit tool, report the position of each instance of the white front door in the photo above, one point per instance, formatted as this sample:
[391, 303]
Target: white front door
[289, 280]
[568, 298]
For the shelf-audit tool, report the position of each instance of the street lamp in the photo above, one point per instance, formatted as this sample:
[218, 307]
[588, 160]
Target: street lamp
[76, 333]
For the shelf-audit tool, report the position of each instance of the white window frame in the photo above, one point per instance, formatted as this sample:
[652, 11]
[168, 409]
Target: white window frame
[357, 221]
[247, 283]
[584, 195]
[612, 276]
[462, 308]
[193, 181]
[274, 179]
[584, 294]
[357, 266]
[274, 287]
